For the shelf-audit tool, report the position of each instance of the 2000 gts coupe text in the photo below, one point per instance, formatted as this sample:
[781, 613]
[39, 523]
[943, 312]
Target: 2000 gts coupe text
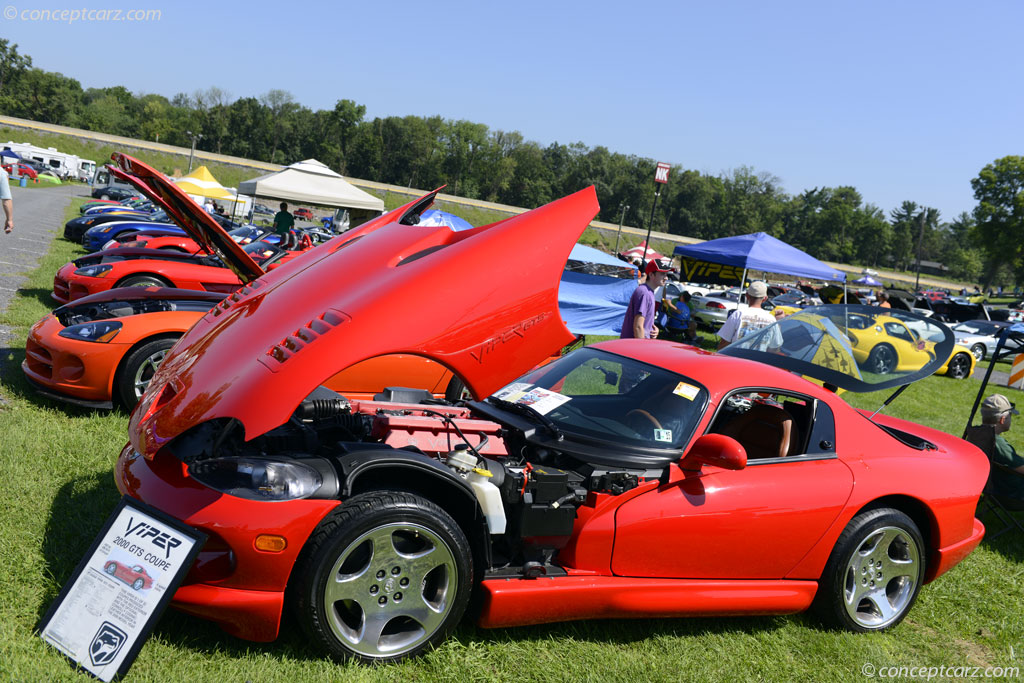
[630, 479]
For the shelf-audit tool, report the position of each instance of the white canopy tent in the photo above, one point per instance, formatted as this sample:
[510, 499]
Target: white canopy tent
[311, 182]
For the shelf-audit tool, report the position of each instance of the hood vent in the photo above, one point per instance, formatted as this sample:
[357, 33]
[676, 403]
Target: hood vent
[235, 297]
[302, 337]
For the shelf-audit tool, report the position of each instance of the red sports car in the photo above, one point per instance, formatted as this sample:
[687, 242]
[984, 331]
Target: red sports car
[135, 576]
[630, 479]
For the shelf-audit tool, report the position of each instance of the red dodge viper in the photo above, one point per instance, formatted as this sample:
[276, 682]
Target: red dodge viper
[630, 479]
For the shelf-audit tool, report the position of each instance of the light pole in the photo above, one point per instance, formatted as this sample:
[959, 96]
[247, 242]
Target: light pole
[195, 138]
[622, 216]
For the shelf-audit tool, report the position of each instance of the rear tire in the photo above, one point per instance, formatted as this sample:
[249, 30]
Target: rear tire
[385, 576]
[882, 360]
[873, 574]
[139, 367]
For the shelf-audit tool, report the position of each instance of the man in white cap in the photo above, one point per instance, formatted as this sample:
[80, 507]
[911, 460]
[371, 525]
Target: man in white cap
[747, 319]
[1008, 478]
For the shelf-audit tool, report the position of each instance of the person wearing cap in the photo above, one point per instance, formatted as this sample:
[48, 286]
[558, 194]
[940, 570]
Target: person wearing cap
[747, 319]
[1008, 477]
[638, 323]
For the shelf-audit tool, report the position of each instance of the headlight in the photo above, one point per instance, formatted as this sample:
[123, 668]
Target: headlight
[256, 479]
[99, 331]
[94, 271]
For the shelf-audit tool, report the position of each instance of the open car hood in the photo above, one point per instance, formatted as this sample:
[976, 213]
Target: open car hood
[483, 302]
[189, 215]
[836, 345]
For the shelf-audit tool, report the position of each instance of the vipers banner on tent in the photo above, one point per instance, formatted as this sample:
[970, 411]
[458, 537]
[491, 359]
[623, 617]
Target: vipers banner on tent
[706, 272]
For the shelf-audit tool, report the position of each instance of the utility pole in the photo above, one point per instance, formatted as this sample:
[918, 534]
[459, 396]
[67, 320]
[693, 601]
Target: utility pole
[920, 238]
[622, 216]
[195, 138]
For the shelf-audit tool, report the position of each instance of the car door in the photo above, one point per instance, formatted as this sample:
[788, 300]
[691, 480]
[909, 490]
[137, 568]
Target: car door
[754, 523]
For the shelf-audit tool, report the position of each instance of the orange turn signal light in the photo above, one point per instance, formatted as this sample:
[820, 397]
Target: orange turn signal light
[270, 544]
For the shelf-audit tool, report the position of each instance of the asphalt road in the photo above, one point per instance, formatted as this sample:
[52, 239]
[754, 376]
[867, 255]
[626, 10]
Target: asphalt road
[38, 218]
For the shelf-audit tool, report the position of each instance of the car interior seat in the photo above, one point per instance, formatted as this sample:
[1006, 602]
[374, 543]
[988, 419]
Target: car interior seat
[984, 437]
[764, 431]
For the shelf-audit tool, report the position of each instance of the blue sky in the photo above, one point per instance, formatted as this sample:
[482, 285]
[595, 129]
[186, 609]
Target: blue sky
[904, 100]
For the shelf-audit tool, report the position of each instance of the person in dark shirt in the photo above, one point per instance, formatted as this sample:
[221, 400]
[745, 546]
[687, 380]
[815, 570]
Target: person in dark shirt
[283, 224]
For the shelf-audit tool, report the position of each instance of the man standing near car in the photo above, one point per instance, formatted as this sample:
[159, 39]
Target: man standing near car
[283, 224]
[749, 319]
[638, 322]
[7, 201]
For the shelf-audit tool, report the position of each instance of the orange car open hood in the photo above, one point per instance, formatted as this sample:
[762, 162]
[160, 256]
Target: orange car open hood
[186, 213]
[483, 302]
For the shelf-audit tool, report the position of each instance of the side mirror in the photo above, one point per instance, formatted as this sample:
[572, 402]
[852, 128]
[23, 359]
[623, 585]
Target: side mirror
[715, 449]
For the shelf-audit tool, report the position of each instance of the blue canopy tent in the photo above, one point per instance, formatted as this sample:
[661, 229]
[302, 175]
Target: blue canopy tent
[592, 303]
[760, 251]
[9, 154]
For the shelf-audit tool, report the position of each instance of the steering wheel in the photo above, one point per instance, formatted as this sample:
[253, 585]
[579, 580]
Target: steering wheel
[646, 415]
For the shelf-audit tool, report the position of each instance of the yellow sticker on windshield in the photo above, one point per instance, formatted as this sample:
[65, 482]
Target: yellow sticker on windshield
[687, 391]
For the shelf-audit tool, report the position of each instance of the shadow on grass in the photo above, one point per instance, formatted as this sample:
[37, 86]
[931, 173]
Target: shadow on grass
[40, 294]
[78, 512]
[1010, 544]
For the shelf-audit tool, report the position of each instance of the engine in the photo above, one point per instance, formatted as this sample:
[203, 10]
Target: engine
[527, 496]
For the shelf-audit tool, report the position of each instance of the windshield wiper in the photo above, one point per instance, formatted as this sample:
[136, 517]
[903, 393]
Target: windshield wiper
[528, 411]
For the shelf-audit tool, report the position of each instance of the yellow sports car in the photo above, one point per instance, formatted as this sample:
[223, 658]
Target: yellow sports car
[883, 344]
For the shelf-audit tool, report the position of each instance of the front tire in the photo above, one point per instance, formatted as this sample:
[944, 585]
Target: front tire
[873, 574]
[979, 352]
[959, 366]
[142, 281]
[139, 367]
[384, 577]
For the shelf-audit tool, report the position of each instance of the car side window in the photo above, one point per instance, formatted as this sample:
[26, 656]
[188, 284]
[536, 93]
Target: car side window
[776, 425]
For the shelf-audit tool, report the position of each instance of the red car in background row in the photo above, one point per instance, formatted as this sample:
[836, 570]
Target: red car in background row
[634, 478]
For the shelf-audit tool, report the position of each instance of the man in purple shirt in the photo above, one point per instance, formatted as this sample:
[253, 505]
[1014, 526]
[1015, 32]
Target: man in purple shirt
[639, 320]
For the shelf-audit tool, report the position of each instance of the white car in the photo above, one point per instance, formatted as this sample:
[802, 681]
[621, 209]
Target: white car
[714, 307]
[981, 336]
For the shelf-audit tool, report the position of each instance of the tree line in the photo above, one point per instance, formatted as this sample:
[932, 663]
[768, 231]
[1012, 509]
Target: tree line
[831, 223]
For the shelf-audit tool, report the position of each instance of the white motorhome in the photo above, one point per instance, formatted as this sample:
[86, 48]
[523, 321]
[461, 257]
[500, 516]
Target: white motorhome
[64, 165]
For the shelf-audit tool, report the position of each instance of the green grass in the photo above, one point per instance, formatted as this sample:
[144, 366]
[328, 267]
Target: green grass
[57, 464]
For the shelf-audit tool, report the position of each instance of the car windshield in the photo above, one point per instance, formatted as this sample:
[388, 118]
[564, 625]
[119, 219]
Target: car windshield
[858, 348]
[262, 252]
[601, 396]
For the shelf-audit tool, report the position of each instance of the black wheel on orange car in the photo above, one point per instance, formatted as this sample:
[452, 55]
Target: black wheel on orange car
[139, 367]
[457, 391]
[882, 359]
[385, 576]
[959, 366]
[874, 572]
[143, 281]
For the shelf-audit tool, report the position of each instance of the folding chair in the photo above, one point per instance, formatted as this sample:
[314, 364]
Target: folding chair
[984, 437]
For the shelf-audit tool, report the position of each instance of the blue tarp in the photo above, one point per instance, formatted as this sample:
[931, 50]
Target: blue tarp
[761, 251]
[594, 304]
[10, 154]
[582, 252]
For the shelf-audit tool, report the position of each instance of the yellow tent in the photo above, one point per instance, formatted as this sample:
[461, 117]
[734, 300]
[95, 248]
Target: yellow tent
[201, 182]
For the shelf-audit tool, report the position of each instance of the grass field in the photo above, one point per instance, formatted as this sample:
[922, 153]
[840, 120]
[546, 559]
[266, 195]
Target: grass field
[57, 463]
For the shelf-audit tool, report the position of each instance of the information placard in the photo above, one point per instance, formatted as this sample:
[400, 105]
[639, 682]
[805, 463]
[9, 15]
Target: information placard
[110, 604]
